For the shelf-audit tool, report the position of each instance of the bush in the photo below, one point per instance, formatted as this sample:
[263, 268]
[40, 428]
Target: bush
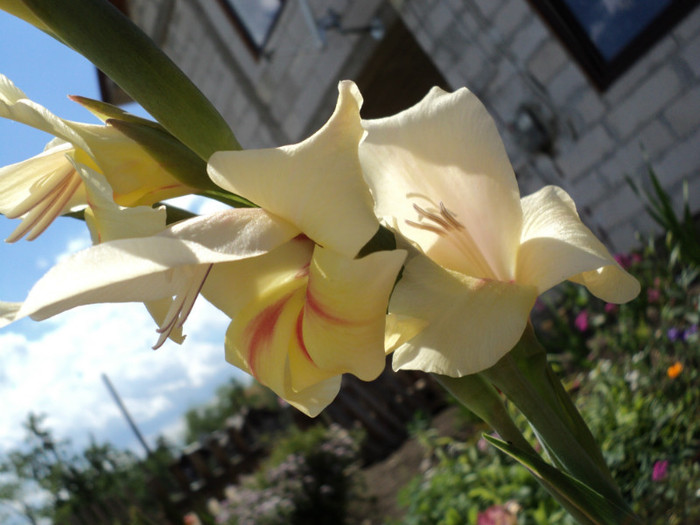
[310, 478]
[633, 370]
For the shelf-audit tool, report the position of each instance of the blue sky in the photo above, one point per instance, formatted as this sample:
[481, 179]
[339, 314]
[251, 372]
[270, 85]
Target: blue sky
[55, 367]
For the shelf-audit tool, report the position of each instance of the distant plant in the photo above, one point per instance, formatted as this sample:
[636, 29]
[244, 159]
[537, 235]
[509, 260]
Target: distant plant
[634, 369]
[684, 229]
[230, 399]
[310, 478]
[46, 478]
[466, 479]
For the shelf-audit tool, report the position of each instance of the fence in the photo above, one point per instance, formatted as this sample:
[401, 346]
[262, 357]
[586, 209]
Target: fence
[381, 408]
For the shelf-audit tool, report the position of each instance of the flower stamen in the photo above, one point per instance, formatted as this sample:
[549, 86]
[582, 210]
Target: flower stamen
[182, 304]
[444, 223]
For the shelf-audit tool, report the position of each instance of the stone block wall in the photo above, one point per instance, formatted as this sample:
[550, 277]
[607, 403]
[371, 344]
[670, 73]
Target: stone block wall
[280, 97]
[504, 52]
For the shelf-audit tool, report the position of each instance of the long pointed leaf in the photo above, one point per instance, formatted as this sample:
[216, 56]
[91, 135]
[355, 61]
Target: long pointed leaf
[100, 32]
[582, 502]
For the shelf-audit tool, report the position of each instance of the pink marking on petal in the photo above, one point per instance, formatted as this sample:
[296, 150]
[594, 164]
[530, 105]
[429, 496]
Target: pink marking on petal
[316, 307]
[300, 336]
[303, 272]
[260, 330]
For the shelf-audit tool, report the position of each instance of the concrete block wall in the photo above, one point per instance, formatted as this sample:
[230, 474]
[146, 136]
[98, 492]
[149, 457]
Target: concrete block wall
[279, 98]
[504, 52]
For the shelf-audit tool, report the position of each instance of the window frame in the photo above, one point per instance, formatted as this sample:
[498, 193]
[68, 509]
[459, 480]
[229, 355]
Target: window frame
[604, 72]
[257, 51]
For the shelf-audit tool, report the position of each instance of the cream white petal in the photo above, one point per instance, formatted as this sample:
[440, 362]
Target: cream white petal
[8, 312]
[311, 401]
[344, 312]
[316, 184]
[15, 105]
[107, 220]
[149, 269]
[556, 245]
[24, 183]
[470, 323]
[440, 175]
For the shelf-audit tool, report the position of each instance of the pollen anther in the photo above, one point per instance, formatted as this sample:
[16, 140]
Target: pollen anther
[442, 223]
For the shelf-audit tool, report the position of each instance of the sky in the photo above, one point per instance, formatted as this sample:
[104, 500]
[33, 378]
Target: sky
[55, 367]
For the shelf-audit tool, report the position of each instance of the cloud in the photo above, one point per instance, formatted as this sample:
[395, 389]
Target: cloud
[58, 371]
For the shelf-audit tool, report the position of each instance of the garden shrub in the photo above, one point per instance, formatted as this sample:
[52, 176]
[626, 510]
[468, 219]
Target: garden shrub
[310, 478]
[633, 370]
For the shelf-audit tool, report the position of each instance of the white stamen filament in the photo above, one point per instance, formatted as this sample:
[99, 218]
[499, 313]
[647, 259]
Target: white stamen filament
[446, 225]
[182, 304]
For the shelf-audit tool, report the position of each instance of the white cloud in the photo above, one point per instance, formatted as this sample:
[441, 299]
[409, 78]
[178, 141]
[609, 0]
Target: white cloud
[56, 368]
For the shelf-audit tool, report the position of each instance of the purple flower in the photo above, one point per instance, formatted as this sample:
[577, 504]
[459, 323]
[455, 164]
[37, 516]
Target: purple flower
[660, 470]
[674, 334]
[693, 329]
[581, 321]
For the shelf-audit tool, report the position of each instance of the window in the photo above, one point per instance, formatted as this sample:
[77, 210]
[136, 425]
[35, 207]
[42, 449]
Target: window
[607, 36]
[254, 20]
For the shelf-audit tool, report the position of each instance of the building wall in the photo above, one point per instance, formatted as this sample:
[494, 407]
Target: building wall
[503, 52]
[280, 98]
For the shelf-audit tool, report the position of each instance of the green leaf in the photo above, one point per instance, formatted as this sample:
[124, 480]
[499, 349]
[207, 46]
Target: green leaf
[105, 111]
[582, 502]
[100, 32]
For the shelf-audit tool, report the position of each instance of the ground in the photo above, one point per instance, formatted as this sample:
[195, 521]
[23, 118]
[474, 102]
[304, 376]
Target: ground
[383, 480]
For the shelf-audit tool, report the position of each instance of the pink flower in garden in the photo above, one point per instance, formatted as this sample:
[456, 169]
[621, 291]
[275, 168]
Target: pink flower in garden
[191, 518]
[660, 470]
[623, 259]
[506, 514]
[581, 321]
[653, 295]
[611, 308]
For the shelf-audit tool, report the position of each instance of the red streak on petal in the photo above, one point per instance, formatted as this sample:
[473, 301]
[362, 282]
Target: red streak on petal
[303, 272]
[300, 336]
[313, 304]
[260, 330]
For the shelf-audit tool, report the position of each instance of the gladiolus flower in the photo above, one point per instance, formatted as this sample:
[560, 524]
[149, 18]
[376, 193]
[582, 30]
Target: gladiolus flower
[303, 309]
[43, 187]
[441, 179]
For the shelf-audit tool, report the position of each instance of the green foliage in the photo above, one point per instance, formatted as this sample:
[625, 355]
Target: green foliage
[682, 229]
[468, 478]
[76, 484]
[310, 478]
[633, 370]
[230, 399]
[646, 422]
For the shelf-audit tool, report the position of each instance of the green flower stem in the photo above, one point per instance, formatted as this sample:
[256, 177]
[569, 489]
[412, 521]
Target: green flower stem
[98, 31]
[477, 394]
[525, 378]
